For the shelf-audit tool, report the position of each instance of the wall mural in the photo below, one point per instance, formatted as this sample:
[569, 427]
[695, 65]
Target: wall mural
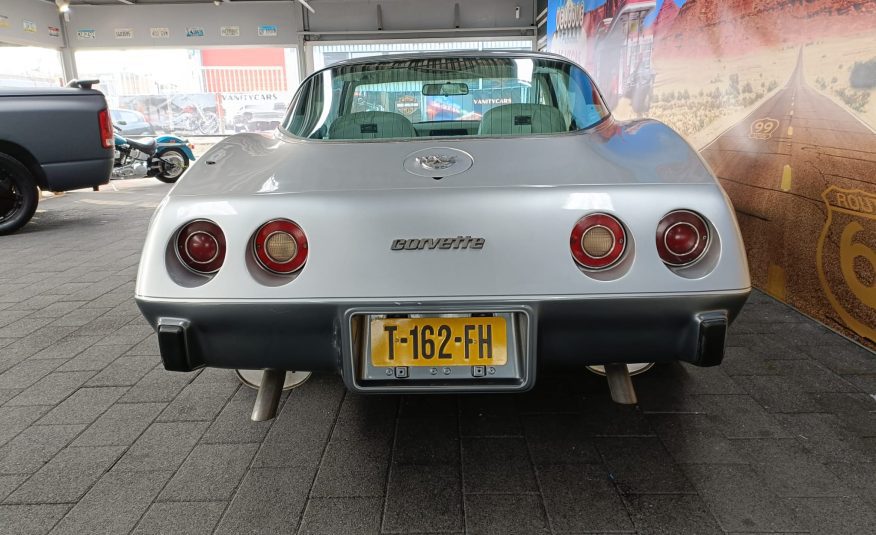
[778, 96]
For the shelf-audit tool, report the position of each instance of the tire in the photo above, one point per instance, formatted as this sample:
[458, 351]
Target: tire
[209, 124]
[18, 195]
[178, 157]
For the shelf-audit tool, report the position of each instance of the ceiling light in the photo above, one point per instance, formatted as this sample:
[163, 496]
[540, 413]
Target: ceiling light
[63, 5]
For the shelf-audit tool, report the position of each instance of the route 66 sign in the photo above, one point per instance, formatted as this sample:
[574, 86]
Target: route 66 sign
[763, 128]
[846, 258]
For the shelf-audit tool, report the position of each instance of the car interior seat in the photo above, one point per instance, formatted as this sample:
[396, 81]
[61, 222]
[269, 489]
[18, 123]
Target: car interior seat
[371, 125]
[516, 119]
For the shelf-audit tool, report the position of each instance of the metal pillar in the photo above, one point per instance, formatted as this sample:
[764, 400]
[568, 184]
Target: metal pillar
[68, 59]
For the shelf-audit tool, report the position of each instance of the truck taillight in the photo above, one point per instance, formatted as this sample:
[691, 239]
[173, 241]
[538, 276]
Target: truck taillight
[107, 137]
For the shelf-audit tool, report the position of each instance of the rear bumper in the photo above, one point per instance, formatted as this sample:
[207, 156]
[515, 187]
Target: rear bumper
[559, 332]
[65, 176]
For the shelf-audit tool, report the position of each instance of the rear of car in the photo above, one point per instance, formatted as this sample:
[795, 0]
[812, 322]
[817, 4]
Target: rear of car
[56, 139]
[460, 250]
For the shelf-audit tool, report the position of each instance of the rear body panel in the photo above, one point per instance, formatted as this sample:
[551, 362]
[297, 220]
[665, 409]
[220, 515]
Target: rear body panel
[60, 129]
[525, 229]
[522, 196]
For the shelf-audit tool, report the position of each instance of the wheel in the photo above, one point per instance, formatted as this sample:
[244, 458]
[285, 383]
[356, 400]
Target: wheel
[209, 124]
[18, 195]
[174, 163]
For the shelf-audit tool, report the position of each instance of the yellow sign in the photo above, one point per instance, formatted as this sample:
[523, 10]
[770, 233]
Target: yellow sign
[846, 258]
[439, 342]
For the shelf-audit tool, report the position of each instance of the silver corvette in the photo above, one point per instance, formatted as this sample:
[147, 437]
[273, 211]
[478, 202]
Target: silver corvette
[445, 223]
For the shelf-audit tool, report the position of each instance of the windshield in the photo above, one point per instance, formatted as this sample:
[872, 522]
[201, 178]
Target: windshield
[435, 97]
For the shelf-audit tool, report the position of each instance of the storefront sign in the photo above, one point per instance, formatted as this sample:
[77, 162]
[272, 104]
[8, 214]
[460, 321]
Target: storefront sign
[229, 31]
[86, 34]
[54, 31]
[124, 33]
[159, 33]
[267, 31]
[29, 26]
[4, 21]
[195, 31]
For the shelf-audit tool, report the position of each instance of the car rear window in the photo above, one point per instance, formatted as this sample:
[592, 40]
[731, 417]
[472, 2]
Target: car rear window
[445, 97]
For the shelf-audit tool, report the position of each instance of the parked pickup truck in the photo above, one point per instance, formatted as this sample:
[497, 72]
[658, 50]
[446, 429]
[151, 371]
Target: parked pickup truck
[57, 139]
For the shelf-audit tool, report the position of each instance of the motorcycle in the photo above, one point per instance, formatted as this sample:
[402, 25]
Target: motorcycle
[164, 157]
[193, 119]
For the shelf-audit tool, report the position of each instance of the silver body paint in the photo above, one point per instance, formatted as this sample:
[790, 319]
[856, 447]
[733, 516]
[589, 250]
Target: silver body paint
[520, 195]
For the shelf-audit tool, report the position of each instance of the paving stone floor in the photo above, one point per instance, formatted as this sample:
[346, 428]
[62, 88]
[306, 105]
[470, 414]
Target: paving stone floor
[95, 437]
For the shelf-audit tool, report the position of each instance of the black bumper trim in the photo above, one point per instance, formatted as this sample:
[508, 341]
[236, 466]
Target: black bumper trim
[567, 333]
[174, 346]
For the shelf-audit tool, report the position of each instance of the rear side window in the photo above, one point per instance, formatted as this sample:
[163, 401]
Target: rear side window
[444, 97]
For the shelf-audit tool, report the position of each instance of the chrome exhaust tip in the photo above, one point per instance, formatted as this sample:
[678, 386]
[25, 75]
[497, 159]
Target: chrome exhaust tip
[620, 385]
[268, 397]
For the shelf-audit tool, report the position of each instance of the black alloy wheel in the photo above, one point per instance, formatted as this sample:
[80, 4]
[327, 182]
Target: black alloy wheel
[18, 195]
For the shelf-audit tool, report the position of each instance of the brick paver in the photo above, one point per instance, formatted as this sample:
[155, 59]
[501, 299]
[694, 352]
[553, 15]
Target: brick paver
[96, 437]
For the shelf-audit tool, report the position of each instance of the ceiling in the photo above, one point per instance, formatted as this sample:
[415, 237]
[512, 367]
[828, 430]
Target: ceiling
[147, 2]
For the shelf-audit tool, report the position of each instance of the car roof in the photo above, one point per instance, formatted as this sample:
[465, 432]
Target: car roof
[389, 58]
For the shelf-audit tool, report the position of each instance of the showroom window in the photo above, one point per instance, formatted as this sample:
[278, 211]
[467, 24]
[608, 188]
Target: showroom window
[214, 91]
[29, 66]
[325, 55]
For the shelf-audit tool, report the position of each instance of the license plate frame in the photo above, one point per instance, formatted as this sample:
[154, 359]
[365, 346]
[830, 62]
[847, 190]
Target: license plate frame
[518, 374]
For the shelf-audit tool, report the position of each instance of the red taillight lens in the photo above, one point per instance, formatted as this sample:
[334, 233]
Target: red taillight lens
[280, 246]
[598, 241]
[107, 137]
[200, 245]
[682, 238]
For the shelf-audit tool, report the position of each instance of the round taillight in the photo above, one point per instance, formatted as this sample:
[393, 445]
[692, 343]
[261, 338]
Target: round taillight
[682, 238]
[280, 246]
[598, 241]
[200, 246]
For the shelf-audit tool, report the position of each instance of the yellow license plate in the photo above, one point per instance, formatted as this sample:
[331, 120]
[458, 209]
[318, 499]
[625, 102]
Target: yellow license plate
[439, 342]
